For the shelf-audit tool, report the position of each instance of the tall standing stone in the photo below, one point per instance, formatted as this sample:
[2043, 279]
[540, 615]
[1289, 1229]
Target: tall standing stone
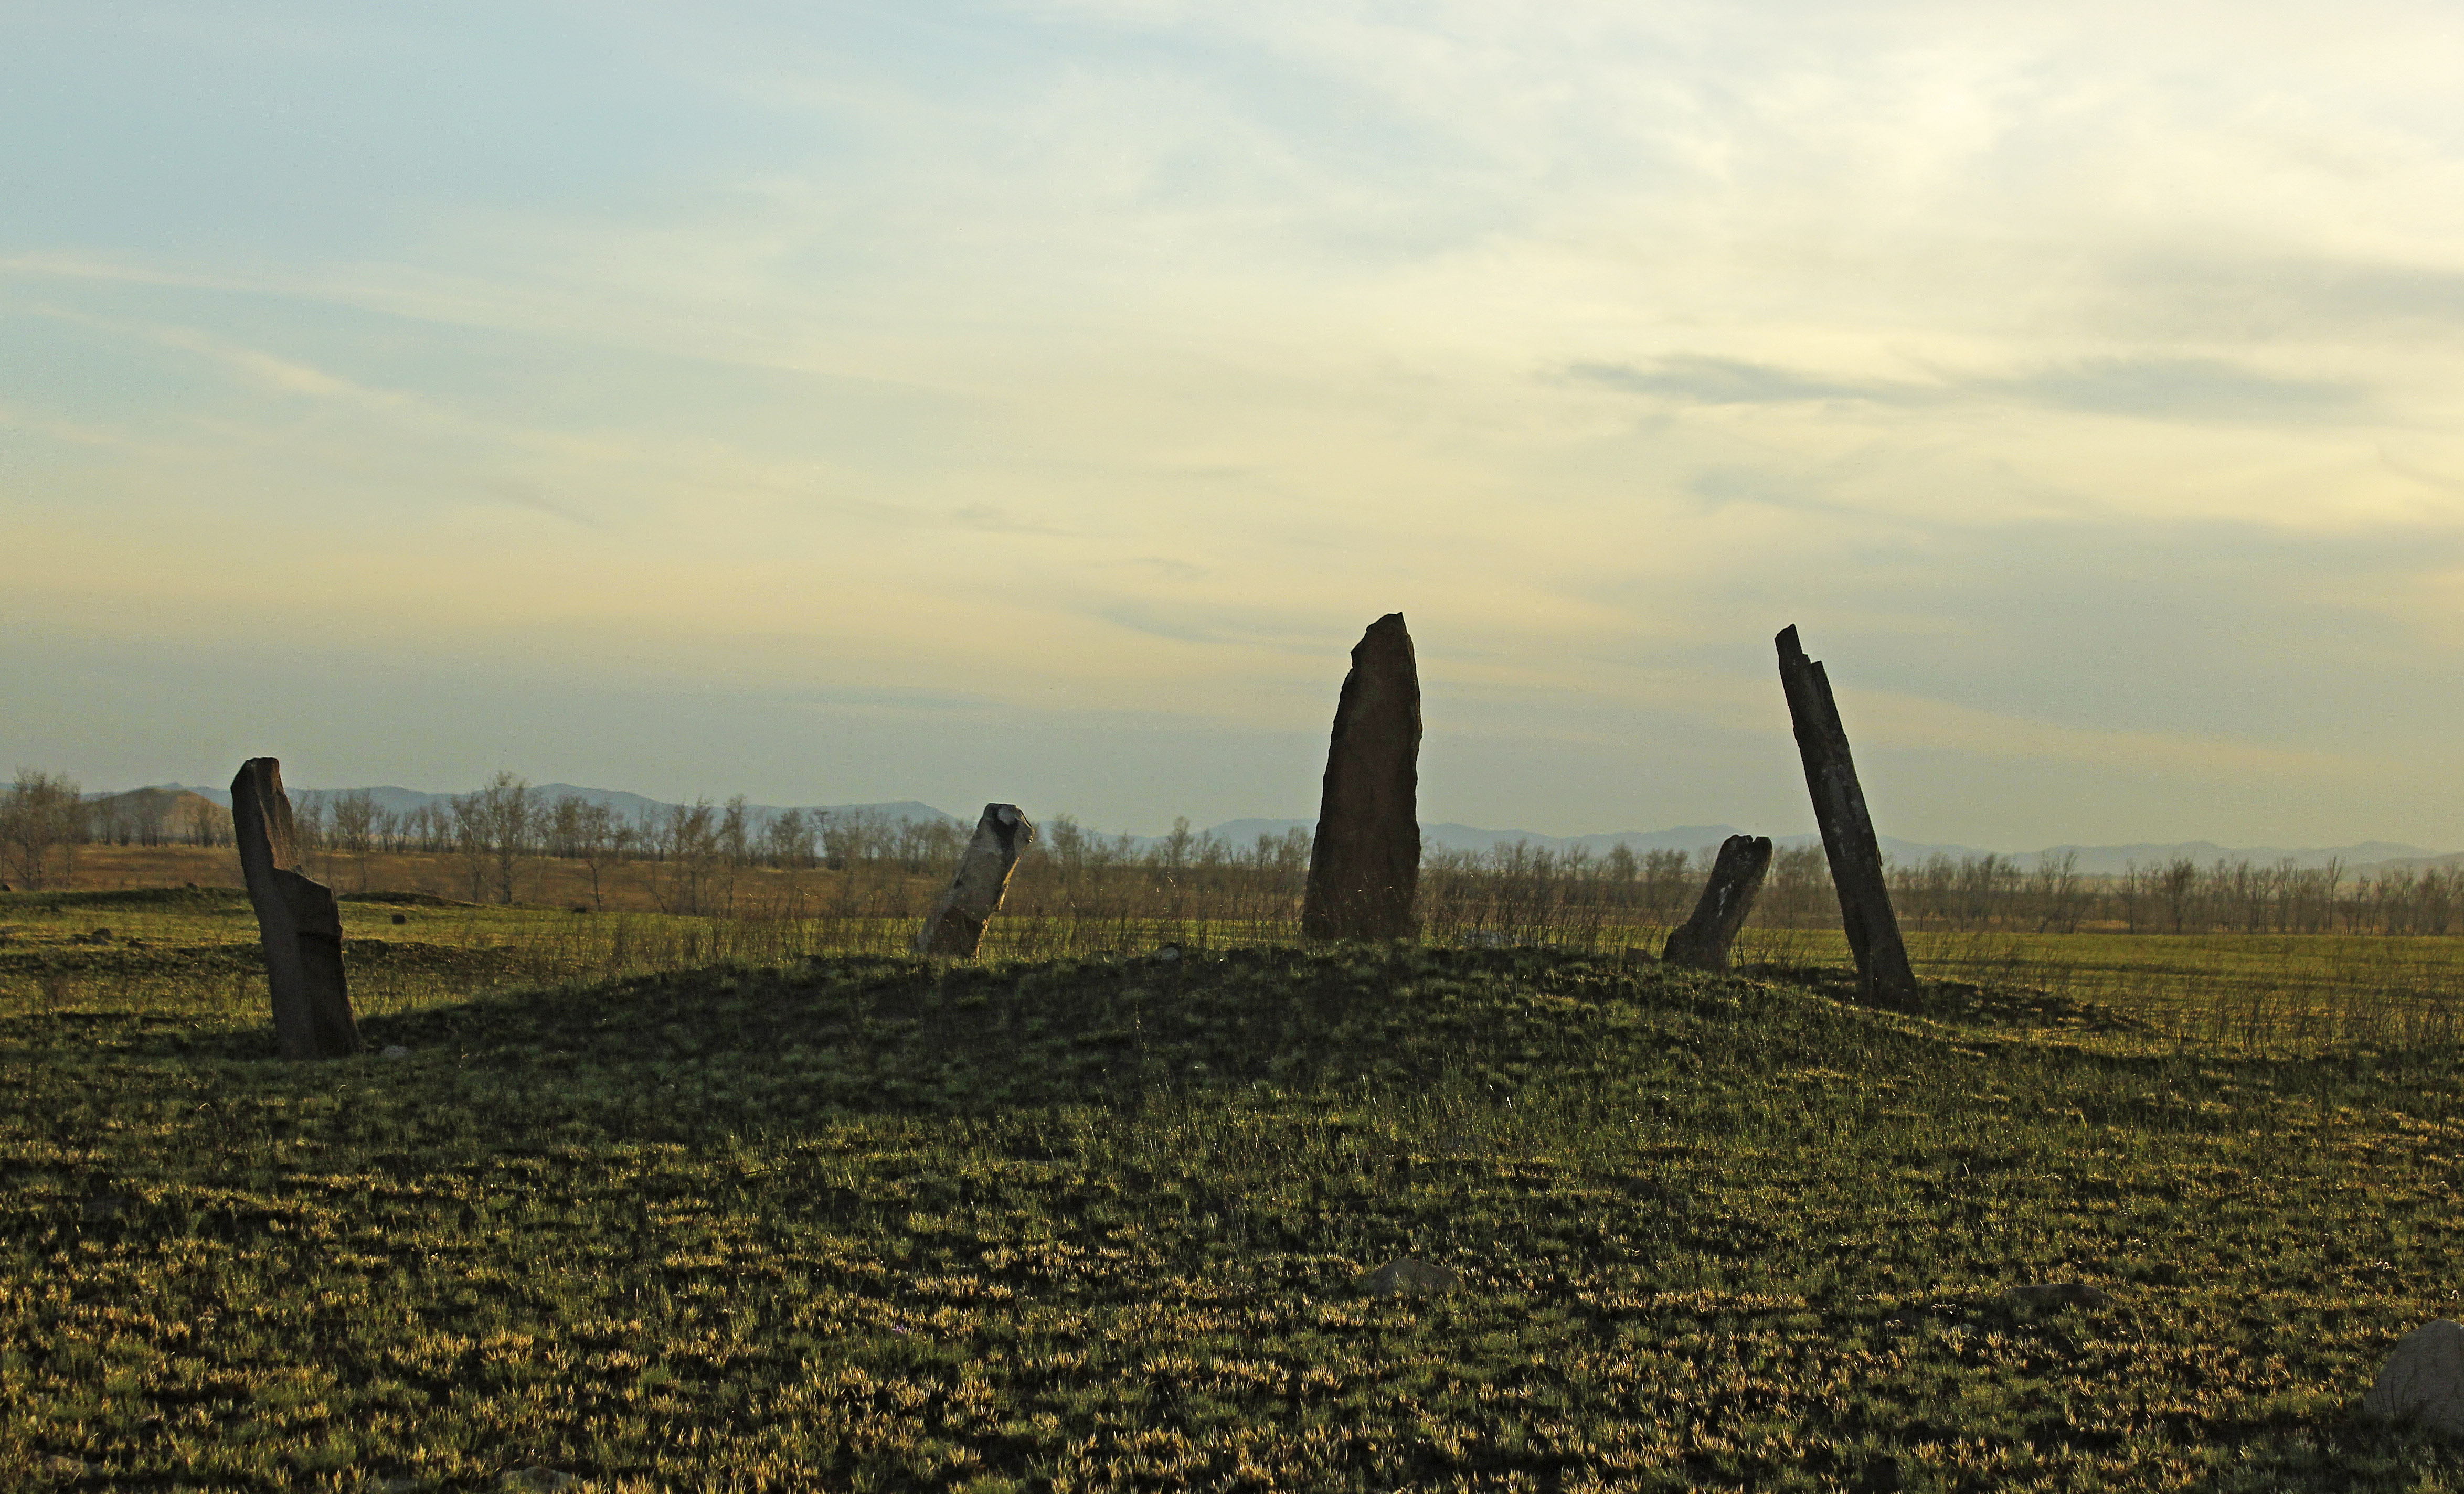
[956, 925]
[296, 918]
[1365, 866]
[1702, 940]
[1847, 829]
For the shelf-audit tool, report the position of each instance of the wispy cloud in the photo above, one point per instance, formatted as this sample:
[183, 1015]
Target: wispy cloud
[522, 496]
[1696, 379]
[2147, 388]
[1133, 353]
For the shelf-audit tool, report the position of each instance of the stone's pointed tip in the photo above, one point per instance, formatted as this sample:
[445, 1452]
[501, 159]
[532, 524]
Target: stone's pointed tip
[1787, 640]
[1387, 636]
[251, 767]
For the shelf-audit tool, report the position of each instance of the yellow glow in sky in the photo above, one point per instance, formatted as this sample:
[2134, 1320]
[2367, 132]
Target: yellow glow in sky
[1034, 402]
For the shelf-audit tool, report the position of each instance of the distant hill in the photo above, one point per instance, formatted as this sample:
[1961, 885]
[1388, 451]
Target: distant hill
[167, 810]
[1452, 836]
[220, 797]
[2207, 853]
[631, 806]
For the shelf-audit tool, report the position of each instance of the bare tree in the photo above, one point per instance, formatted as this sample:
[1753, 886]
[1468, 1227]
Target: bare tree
[509, 815]
[42, 819]
[1288, 855]
[201, 822]
[1667, 876]
[852, 838]
[2178, 883]
[151, 810]
[470, 832]
[2060, 901]
[787, 840]
[1172, 852]
[430, 827]
[494, 829]
[921, 846]
[351, 823]
[587, 831]
[689, 867]
[309, 817]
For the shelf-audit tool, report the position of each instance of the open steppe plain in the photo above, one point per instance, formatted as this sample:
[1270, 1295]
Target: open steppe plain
[657, 1202]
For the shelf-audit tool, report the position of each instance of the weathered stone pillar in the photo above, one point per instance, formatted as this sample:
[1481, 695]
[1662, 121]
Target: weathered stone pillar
[1365, 864]
[956, 925]
[1847, 829]
[1702, 940]
[296, 918]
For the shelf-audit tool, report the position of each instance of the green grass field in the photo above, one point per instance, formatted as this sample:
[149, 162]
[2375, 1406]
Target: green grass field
[715, 1211]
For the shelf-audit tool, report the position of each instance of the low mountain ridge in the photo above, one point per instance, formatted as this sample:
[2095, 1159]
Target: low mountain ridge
[394, 800]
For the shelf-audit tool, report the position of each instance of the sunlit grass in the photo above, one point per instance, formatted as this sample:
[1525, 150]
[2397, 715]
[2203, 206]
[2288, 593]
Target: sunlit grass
[1092, 1222]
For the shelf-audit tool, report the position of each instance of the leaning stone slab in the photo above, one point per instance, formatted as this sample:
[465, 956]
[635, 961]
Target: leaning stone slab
[1365, 862]
[2423, 1380]
[1847, 827]
[296, 919]
[956, 925]
[1701, 942]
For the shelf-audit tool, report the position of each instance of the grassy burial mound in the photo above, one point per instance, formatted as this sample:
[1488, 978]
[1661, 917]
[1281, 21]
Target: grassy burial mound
[1337, 1219]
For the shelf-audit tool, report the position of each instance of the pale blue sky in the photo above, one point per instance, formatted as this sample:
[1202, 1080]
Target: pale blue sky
[1033, 401]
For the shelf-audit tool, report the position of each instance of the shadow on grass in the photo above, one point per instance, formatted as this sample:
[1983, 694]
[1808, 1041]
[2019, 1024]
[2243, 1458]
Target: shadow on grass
[172, 899]
[573, 1155]
[765, 1047]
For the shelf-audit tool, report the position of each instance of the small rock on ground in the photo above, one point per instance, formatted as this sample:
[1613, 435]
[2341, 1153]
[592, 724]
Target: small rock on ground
[395, 1050]
[2422, 1380]
[1407, 1277]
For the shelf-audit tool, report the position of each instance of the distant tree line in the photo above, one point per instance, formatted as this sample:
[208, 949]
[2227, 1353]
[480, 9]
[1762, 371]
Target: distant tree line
[687, 855]
[42, 823]
[691, 858]
[1517, 884]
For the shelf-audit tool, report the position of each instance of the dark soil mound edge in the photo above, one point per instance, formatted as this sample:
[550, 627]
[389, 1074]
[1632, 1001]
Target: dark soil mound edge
[125, 897]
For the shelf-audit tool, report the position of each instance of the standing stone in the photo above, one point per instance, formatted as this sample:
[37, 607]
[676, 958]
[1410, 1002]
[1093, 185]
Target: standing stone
[1365, 864]
[1702, 940]
[956, 925]
[296, 918]
[1847, 829]
[2423, 1380]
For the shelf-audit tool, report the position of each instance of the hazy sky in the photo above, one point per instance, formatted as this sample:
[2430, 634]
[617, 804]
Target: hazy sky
[1034, 402]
